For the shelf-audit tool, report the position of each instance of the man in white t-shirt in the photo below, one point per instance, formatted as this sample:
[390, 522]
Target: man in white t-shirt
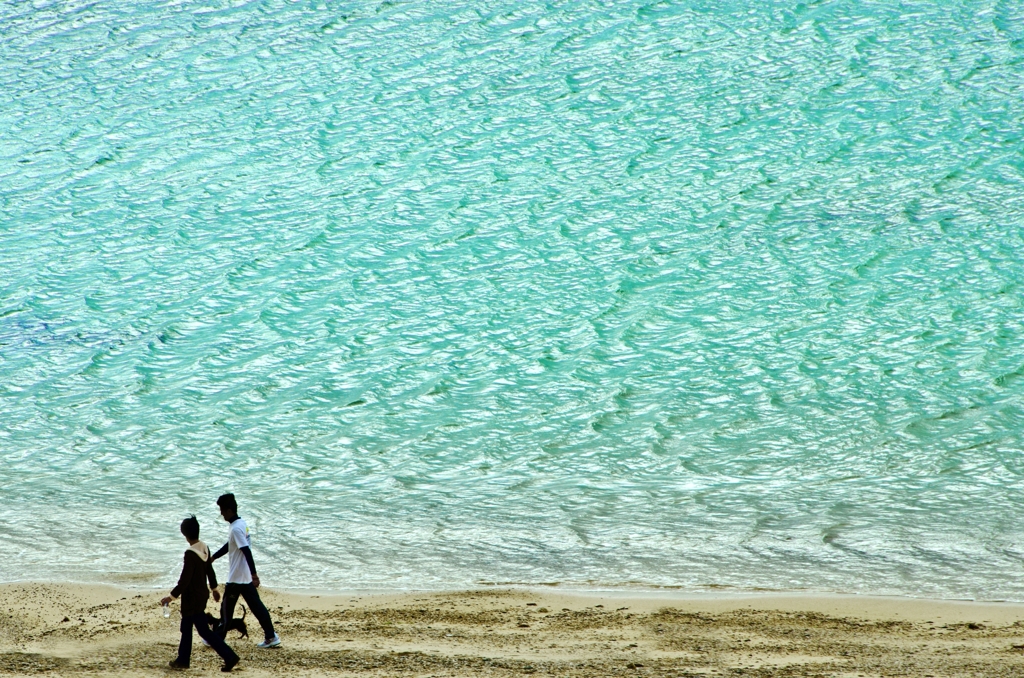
[242, 578]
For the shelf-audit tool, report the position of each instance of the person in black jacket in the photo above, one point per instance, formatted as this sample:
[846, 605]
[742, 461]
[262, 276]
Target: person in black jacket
[193, 592]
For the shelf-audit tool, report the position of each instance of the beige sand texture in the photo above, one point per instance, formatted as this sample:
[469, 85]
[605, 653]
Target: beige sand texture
[78, 630]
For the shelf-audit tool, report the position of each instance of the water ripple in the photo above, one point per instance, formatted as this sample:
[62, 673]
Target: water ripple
[657, 293]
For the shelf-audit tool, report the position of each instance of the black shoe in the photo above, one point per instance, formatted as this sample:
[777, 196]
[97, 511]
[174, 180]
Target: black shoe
[175, 664]
[229, 665]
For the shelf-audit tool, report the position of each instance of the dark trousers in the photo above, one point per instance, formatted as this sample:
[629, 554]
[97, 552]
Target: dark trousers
[207, 634]
[251, 596]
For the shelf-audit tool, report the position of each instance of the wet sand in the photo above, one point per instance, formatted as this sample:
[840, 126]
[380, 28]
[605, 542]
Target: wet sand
[79, 630]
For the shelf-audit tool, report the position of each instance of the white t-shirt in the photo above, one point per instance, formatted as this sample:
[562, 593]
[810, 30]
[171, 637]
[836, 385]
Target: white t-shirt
[238, 567]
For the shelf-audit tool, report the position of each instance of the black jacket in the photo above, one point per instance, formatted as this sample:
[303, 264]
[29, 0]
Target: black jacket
[192, 582]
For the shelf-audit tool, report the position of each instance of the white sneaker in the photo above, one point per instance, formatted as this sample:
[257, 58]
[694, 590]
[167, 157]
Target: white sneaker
[272, 642]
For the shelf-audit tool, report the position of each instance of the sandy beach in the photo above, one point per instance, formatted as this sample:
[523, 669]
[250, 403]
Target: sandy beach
[56, 629]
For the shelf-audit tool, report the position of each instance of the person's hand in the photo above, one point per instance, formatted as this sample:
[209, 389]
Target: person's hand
[216, 595]
[166, 600]
[256, 580]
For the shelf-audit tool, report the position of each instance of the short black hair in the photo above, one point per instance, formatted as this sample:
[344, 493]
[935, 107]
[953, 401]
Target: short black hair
[227, 501]
[190, 527]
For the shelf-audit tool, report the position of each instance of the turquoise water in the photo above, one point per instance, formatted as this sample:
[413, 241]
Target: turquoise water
[683, 294]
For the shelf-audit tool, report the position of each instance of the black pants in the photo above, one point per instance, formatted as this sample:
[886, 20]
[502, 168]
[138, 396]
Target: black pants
[206, 633]
[251, 596]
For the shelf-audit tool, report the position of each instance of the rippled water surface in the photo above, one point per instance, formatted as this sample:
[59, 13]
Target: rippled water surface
[655, 293]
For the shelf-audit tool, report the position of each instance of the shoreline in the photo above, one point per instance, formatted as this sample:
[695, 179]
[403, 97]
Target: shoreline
[99, 629]
[625, 591]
